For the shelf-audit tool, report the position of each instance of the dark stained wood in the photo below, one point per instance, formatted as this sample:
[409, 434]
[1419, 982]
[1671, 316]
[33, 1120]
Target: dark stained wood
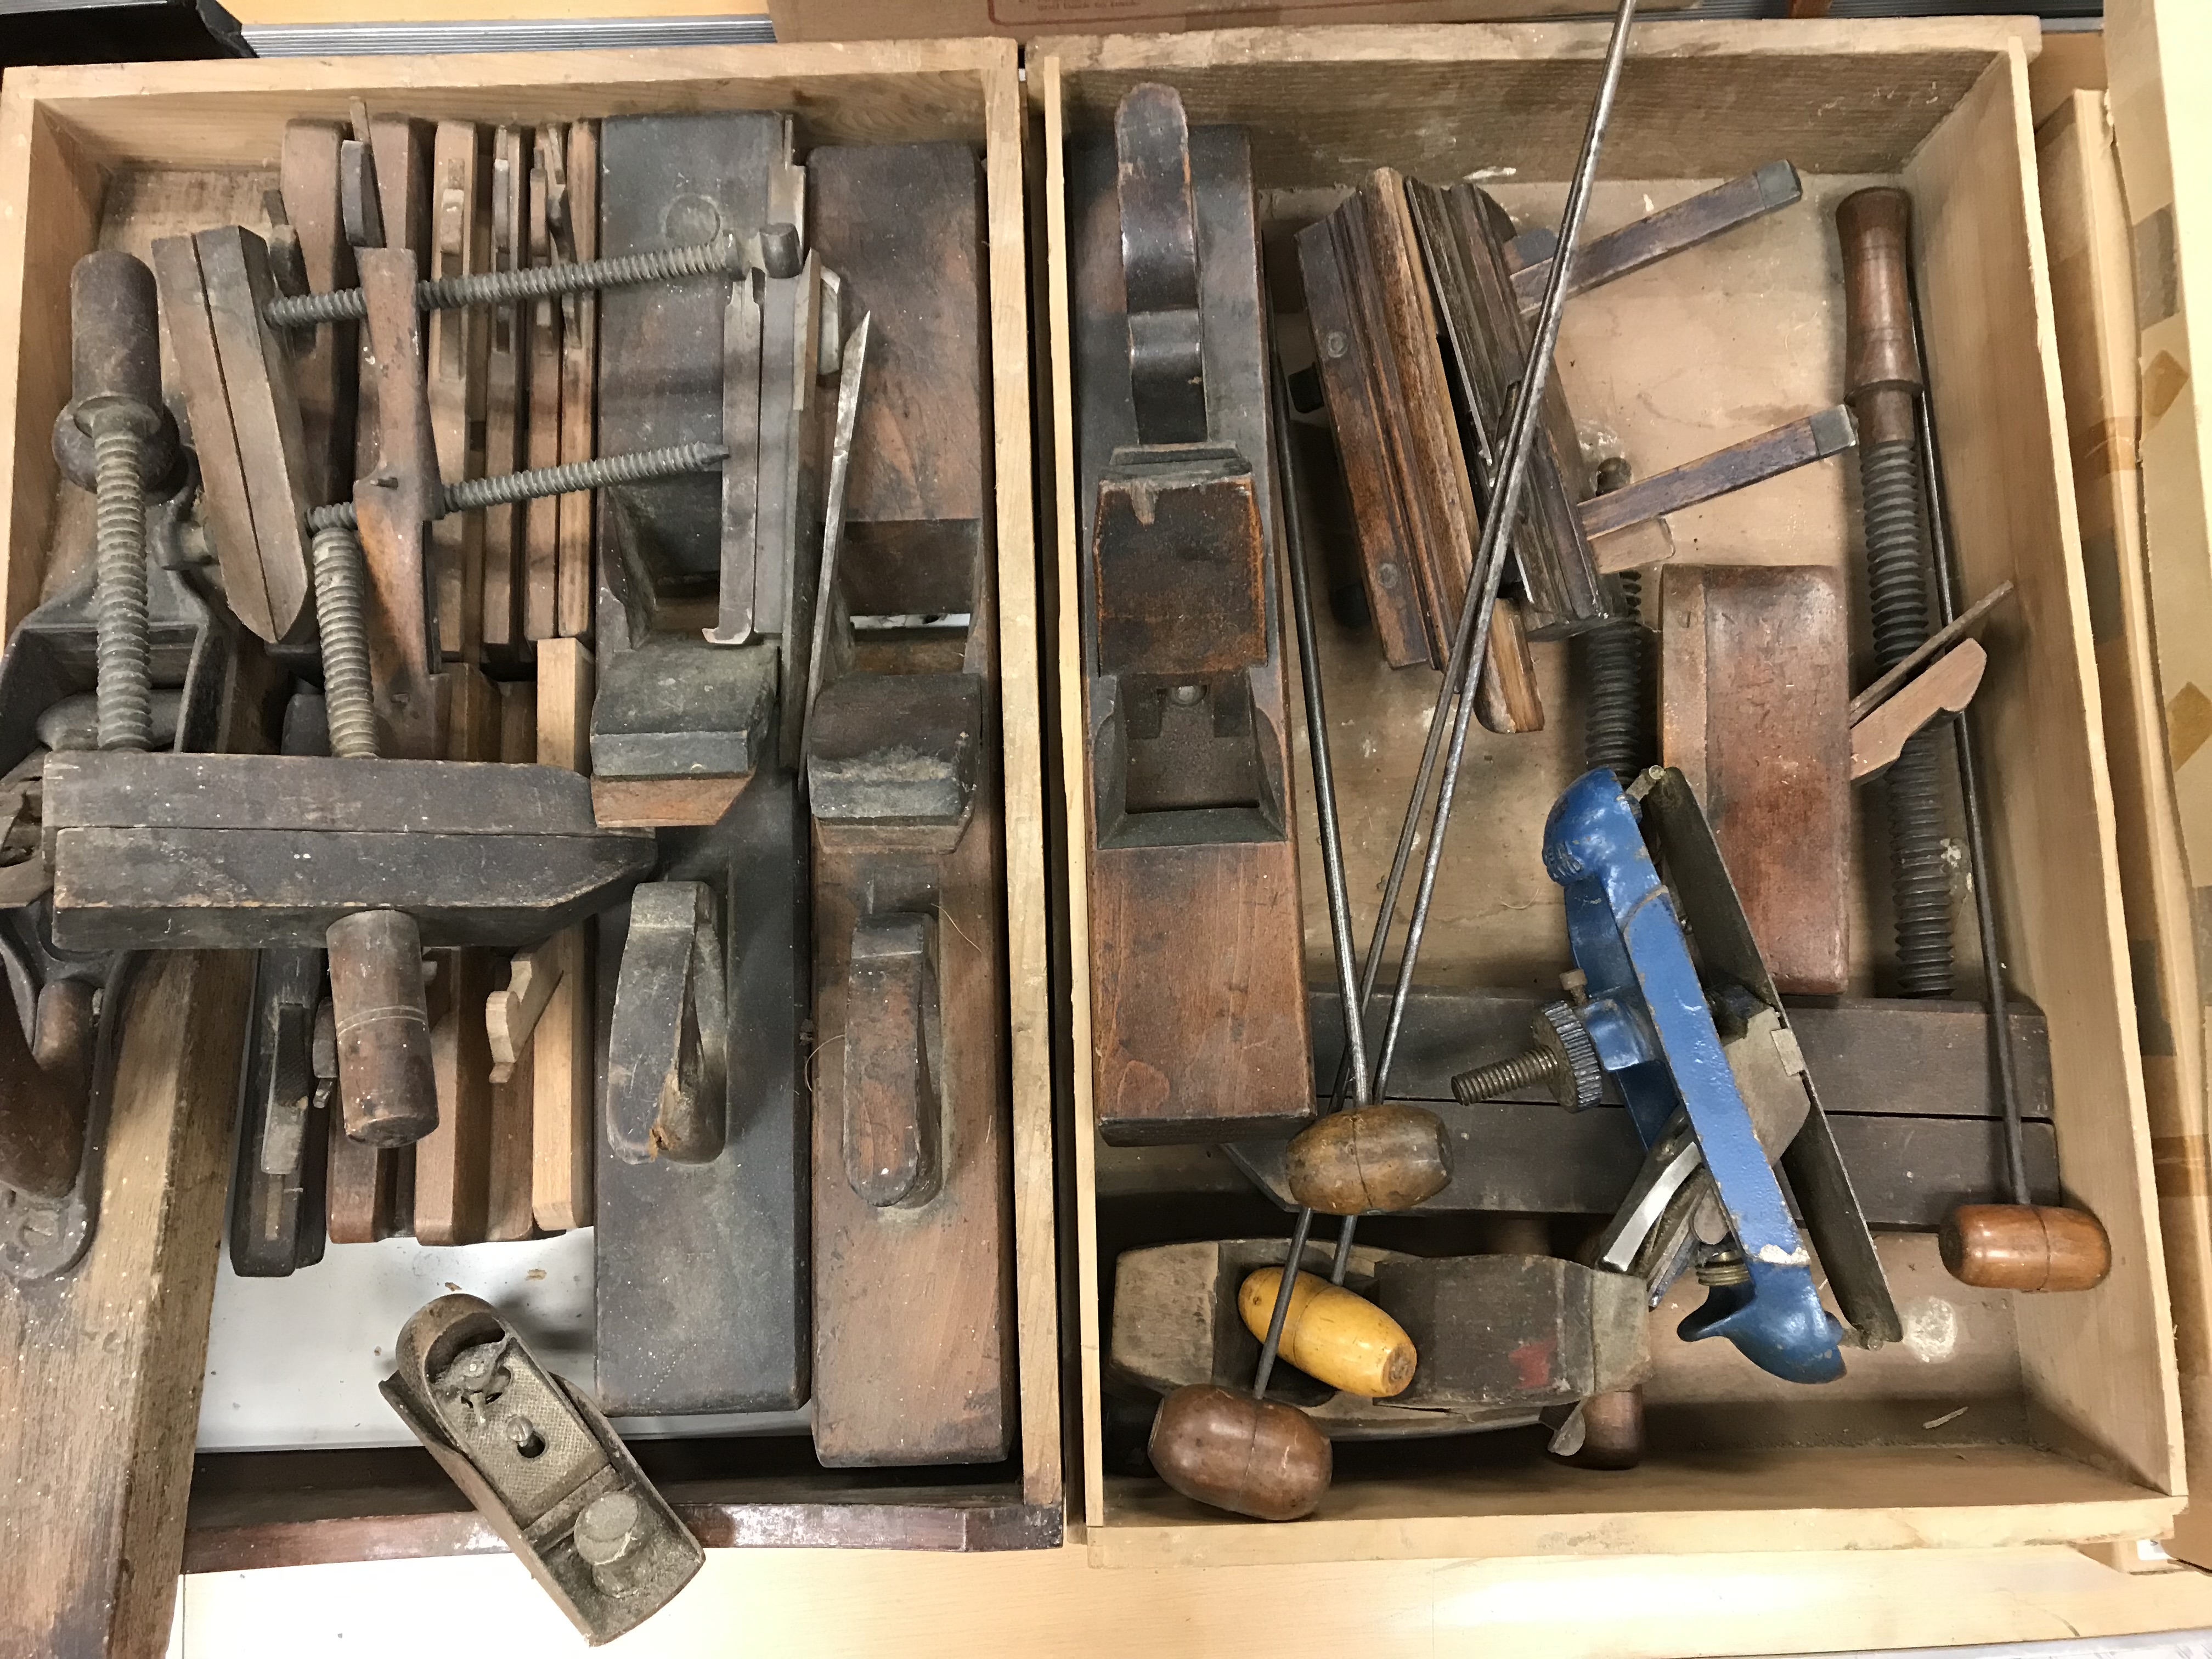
[223, 476]
[1197, 1011]
[2020, 1247]
[460, 340]
[1657, 235]
[1239, 1453]
[578, 383]
[324, 374]
[1176, 554]
[1754, 460]
[1192, 1042]
[914, 1519]
[914, 1352]
[903, 225]
[1362, 396]
[913, 1223]
[1485, 341]
[265, 414]
[505, 385]
[1505, 1330]
[541, 533]
[100, 1386]
[1753, 678]
[1377, 327]
[395, 503]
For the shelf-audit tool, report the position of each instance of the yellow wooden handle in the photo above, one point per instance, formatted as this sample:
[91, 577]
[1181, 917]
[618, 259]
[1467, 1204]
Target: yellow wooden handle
[1331, 1334]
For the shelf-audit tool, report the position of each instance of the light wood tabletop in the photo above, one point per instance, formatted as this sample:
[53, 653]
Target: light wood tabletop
[802, 1604]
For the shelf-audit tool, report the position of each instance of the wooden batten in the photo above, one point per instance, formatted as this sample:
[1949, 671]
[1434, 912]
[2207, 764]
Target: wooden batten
[89, 157]
[2078, 1437]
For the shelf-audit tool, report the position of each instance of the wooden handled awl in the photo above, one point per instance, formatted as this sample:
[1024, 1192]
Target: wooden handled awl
[1376, 1157]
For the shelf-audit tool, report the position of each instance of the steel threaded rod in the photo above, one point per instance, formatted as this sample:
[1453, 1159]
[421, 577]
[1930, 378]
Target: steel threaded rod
[599, 473]
[1492, 1082]
[1617, 706]
[125, 696]
[725, 255]
[341, 597]
[1897, 573]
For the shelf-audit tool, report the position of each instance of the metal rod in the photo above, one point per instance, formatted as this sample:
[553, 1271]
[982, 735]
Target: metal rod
[1497, 527]
[1331, 862]
[853, 363]
[1467, 647]
[1970, 784]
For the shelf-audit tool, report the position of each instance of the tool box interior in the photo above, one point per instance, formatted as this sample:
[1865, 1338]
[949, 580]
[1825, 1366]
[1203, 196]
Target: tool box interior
[1998, 1417]
[704, 1332]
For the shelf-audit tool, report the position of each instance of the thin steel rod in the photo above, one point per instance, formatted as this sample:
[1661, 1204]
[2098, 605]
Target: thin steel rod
[1467, 647]
[1948, 599]
[1332, 859]
[1498, 526]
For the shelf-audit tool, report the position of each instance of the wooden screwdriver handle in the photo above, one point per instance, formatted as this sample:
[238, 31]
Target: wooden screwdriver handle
[1881, 369]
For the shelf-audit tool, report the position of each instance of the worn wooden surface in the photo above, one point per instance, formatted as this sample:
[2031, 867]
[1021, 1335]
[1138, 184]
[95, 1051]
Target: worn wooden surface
[1752, 688]
[1189, 1044]
[578, 383]
[506, 390]
[2150, 645]
[458, 339]
[913, 1340]
[100, 1383]
[540, 594]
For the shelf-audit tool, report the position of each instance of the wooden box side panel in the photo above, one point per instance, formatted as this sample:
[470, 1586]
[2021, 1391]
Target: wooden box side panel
[2093, 289]
[1075, 804]
[1022, 733]
[2099, 1364]
[1698, 100]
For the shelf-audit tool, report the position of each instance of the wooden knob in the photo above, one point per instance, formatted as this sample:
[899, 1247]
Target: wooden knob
[387, 1089]
[1613, 1432]
[1249, 1456]
[2020, 1247]
[1331, 1334]
[1370, 1158]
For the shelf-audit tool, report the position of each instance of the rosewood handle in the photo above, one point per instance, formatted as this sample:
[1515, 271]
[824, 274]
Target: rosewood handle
[1881, 369]
[387, 1089]
[1249, 1456]
[2021, 1247]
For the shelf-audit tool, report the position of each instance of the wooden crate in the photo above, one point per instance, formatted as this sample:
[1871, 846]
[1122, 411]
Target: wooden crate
[2127, 209]
[100, 1377]
[2072, 1430]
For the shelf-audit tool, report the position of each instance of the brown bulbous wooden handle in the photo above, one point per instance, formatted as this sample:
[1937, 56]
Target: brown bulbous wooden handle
[387, 1089]
[1369, 1158]
[1332, 1335]
[2020, 1247]
[1245, 1455]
